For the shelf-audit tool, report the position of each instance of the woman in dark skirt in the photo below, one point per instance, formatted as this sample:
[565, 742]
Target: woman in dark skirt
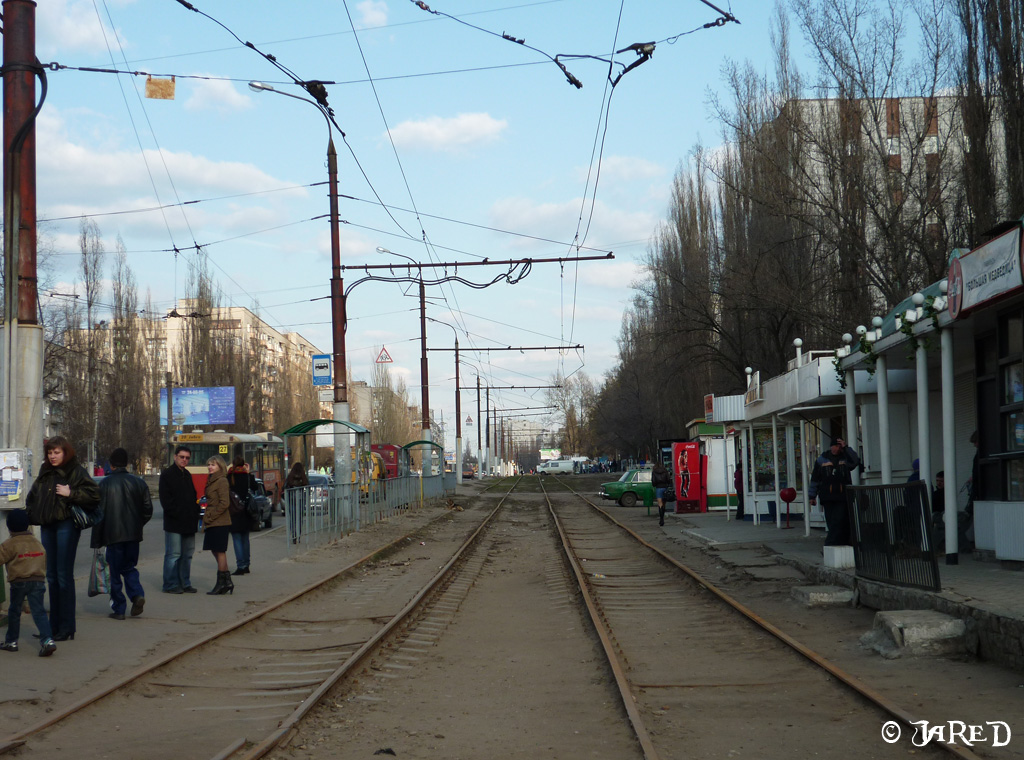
[217, 523]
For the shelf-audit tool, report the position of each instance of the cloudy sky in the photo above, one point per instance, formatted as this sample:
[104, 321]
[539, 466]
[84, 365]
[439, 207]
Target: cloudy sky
[478, 147]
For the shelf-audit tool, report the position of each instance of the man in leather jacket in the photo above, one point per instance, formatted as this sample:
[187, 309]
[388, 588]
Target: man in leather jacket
[127, 507]
[181, 520]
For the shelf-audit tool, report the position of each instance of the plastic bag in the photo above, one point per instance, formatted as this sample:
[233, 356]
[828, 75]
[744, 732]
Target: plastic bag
[99, 576]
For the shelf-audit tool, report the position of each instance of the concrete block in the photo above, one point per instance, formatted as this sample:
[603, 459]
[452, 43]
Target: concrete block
[823, 596]
[839, 556]
[916, 632]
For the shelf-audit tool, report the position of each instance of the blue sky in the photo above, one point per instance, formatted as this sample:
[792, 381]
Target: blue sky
[488, 134]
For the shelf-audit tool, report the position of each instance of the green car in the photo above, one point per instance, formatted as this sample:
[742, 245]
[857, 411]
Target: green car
[633, 486]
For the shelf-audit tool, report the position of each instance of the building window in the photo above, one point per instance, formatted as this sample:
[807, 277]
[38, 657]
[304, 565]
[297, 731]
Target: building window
[999, 360]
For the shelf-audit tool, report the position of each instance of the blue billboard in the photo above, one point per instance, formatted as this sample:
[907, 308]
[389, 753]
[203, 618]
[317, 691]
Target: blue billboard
[199, 406]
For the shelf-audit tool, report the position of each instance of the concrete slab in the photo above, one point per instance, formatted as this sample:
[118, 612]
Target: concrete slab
[823, 596]
[776, 573]
[750, 559]
[916, 632]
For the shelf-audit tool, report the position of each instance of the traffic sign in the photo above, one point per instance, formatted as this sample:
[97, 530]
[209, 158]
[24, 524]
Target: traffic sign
[469, 421]
[322, 370]
[384, 357]
[326, 396]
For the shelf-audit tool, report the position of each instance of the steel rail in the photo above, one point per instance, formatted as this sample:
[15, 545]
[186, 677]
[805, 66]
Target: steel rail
[628, 700]
[289, 725]
[849, 680]
[18, 739]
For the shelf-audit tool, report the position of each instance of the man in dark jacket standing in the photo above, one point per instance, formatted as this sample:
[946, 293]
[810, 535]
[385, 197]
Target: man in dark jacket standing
[181, 520]
[127, 507]
[829, 479]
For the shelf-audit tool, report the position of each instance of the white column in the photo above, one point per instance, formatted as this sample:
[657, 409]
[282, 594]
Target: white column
[725, 471]
[949, 445]
[924, 436]
[884, 449]
[852, 438]
[804, 478]
[775, 467]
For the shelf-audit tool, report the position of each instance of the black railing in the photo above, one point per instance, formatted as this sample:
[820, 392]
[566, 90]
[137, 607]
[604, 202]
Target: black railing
[893, 536]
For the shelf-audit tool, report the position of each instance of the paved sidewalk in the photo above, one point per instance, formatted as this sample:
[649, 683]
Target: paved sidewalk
[104, 650]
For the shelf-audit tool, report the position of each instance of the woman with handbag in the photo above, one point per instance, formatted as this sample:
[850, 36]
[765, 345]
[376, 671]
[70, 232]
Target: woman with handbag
[217, 523]
[242, 483]
[61, 485]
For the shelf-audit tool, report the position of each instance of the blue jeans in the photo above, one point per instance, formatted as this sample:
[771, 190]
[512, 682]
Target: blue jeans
[241, 542]
[122, 558]
[178, 551]
[33, 591]
[60, 539]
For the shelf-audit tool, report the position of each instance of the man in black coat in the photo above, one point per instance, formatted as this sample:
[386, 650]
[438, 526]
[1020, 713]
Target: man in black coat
[181, 520]
[829, 479]
[127, 507]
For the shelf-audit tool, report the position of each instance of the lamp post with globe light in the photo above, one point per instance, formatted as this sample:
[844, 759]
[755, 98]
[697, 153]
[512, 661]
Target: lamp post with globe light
[340, 396]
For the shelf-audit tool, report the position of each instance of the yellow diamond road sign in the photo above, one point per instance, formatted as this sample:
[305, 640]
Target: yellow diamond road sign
[383, 357]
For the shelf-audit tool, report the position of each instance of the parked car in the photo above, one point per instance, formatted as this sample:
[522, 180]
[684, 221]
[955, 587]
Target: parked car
[633, 486]
[319, 492]
[266, 505]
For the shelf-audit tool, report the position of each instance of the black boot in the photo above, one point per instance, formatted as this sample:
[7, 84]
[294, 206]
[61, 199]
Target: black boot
[661, 516]
[223, 585]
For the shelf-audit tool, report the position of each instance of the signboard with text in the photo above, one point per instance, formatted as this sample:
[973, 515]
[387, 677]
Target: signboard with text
[987, 272]
[199, 406]
[322, 370]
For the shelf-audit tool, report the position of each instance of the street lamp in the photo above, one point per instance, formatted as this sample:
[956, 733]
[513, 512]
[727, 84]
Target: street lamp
[458, 404]
[338, 317]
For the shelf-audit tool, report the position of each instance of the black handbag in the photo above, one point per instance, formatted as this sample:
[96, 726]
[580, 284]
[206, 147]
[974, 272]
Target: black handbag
[85, 519]
[670, 493]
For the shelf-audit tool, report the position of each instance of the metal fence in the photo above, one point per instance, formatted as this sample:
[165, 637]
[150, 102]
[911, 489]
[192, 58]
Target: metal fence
[893, 540]
[315, 515]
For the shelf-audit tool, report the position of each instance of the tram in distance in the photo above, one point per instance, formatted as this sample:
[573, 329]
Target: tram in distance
[263, 452]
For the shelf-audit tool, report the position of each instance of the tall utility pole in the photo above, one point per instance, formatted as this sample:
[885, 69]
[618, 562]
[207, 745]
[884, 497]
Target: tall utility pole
[425, 390]
[21, 402]
[479, 429]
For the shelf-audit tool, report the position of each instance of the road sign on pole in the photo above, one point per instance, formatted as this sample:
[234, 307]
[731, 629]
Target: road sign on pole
[384, 357]
[322, 370]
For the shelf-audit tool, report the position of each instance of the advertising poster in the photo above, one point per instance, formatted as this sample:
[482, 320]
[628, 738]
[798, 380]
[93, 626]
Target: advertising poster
[686, 467]
[199, 406]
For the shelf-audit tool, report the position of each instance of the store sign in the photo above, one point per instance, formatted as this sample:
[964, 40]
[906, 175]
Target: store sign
[709, 408]
[987, 272]
[753, 394]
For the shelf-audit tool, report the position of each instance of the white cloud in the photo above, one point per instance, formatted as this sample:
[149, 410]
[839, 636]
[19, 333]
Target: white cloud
[373, 13]
[624, 169]
[557, 221]
[612, 274]
[595, 314]
[441, 133]
[215, 95]
[72, 26]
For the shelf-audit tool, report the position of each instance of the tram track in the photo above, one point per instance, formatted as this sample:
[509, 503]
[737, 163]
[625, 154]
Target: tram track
[240, 690]
[623, 587]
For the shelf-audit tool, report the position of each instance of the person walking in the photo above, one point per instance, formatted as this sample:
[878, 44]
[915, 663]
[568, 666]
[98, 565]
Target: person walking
[662, 481]
[181, 520]
[61, 484]
[829, 479]
[217, 523]
[242, 483]
[296, 480]
[737, 482]
[25, 559]
[127, 507]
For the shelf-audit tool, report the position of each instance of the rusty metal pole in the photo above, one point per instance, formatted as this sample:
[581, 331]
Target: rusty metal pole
[22, 403]
[458, 418]
[340, 408]
[479, 429]
[425, 390]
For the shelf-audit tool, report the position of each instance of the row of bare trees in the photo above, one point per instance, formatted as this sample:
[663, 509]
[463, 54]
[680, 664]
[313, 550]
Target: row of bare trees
[831, 199]
[106, 359]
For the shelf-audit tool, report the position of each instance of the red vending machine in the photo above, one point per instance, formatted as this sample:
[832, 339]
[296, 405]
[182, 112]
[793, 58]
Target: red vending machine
[689, 469]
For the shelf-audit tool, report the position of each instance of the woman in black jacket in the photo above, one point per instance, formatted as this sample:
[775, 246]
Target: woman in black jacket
[661, 480]
[62, 482]
[295, 486]
[242, 483]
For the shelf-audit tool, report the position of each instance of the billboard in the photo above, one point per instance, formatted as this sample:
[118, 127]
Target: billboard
[199, 406]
